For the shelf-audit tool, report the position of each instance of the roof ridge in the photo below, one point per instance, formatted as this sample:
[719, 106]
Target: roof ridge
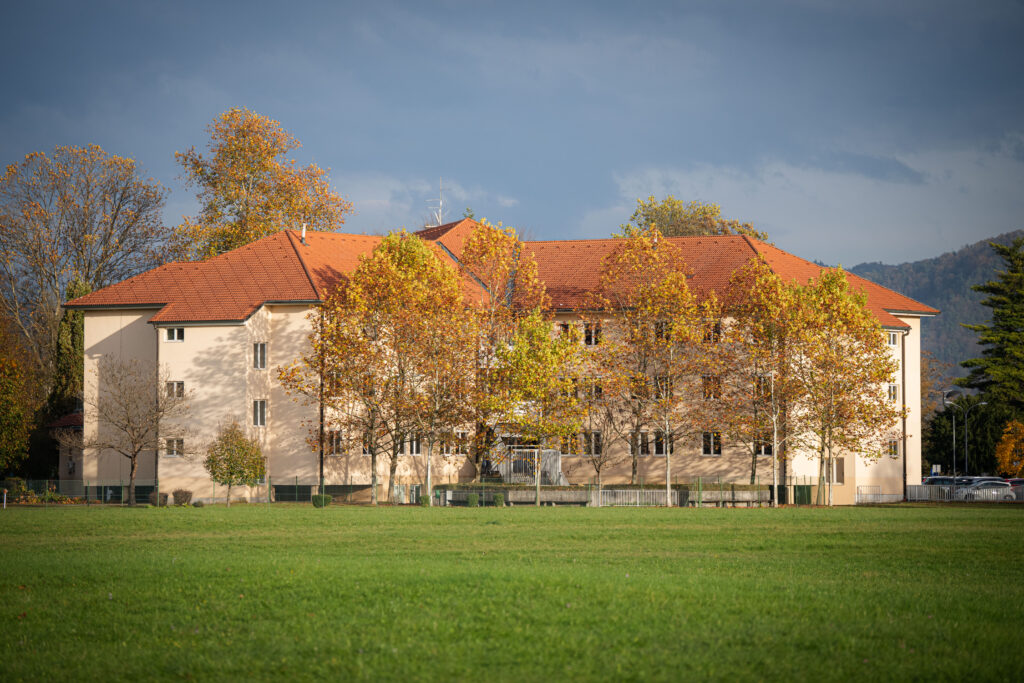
[302, 262]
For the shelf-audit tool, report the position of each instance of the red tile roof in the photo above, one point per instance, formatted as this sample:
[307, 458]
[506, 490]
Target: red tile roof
[280, 268]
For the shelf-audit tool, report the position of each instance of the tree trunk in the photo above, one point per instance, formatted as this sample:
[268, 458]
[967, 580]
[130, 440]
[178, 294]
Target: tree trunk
[599, 488]
[819, 498]
[373, 474]
[229, 494]
[392, 468]
[131, 479]
[634, 449]
[430, 485]
[668, 468]
[753, 465]
[775, 472]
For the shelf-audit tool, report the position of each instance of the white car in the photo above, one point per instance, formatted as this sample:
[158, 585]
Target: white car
[986, 490]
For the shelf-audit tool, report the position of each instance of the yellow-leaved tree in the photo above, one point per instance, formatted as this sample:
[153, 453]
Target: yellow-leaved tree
[1010, 450]
[843, 366]
[248, 188]
[676, 218]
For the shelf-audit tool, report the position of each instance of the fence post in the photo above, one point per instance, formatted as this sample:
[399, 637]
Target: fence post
[268, 491]
[121, 483]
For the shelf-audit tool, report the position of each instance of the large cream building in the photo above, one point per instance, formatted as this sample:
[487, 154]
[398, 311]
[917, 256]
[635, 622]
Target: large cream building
[222, 327]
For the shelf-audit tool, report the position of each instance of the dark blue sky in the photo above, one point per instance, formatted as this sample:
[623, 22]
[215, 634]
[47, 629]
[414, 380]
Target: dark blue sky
[850, 131]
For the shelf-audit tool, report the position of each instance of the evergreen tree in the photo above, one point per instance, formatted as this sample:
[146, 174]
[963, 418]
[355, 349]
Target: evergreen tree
[66, 394]
[999, 373]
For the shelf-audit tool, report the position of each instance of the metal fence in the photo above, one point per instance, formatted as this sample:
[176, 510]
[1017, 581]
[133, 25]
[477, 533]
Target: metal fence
[867, 495]
[963, 494]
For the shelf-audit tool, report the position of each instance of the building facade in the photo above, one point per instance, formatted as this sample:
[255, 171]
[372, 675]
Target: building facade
[219, 330]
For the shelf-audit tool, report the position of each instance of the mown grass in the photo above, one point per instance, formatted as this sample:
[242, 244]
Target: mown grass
[253, 592]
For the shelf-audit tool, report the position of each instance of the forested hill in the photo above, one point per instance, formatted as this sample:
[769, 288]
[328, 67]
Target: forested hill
[945, 283]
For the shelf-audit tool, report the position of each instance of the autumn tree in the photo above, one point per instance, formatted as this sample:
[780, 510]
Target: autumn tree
[234, 459]
[388, 349]
[131, 412]
[999, 373]
[843, 366]
[759, 387]
[72, 221]
[17, 398]
[248, 187]
[653, 359]
[1010, 451]
[676, 218]
[597, 419]
[537, 368]
[509, 291]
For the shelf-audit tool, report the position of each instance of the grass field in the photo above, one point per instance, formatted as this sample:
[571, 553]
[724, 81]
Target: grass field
[253, 592]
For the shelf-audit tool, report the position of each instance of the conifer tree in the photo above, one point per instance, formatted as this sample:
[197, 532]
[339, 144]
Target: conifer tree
[999, 373]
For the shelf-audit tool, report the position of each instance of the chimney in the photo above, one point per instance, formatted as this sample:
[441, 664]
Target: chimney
[304, 235]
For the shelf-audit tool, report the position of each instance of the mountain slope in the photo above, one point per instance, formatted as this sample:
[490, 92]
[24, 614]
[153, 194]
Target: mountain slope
[945, 282]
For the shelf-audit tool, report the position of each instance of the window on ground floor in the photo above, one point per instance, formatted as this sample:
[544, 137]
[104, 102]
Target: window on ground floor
[711, 443]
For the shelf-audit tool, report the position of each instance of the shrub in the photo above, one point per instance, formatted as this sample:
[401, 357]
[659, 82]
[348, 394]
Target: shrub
[197, 504]
[320, 501]
[499, 500]
[473, 500]
[162, 502]
[425, 501]
[182, 497]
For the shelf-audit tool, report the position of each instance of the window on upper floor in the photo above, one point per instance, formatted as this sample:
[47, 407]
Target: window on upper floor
[412, 445]
[259, 355]
[893, 448]
[712, 387]
[259, 413]
[175, 389]
[894, 339]
[174, 334]
[591, 334]
[712, 331]
[663, 445]
[763, 445]
[711, 443]
[175, 448]
[894, 392]
[334, 443]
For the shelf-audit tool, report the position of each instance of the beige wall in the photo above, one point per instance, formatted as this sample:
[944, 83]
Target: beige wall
[216, 364]
[127, 334]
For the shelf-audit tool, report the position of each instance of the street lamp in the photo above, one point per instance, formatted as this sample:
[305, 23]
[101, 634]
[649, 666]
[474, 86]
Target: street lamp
[967, 412]
[947, 395]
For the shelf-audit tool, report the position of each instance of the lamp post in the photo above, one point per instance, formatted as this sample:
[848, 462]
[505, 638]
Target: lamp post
[967, 411]
[947, 395]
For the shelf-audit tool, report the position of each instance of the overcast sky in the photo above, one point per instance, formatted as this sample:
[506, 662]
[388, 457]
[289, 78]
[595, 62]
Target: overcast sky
[849, 131]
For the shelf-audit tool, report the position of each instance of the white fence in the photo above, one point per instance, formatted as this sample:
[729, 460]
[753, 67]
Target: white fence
[961, 494]
[867, 495]
[637, 497]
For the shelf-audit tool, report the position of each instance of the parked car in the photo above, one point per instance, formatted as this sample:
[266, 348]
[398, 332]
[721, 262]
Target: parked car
[1015, 482]
[978, 480]
[986, 490]
[937, 481]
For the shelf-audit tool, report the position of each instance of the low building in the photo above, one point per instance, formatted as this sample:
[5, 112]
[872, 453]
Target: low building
[221, 327]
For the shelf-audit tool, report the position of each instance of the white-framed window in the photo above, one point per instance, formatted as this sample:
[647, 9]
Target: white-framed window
[660, 442]
[175, 389]
[259, 355]
[763, 445]
[894, 392]
[570, 444]
[893, 448]
[712, 387]
[174, 334]
[838, 473]
[456, 445]
[412, 445]
[591, 334]
[662, 329]
[711, 443]
[175, 448]
[366, 447]
[259, 413]
[894, 339]
[643, 443]
[713, 331]
[563, 328]
[590, 443]
[334, 443]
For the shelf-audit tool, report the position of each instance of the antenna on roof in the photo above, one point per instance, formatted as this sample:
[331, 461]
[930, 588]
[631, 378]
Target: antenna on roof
[304, 234]
[437, 215]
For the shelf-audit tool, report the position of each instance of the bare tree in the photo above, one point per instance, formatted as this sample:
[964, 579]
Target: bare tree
[135, 410]
[78, 215]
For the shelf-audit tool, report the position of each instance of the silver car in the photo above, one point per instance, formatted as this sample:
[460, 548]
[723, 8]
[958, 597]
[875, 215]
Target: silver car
[986, 490]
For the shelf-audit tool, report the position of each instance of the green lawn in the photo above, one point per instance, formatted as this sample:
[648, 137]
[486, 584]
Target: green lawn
[511, 594]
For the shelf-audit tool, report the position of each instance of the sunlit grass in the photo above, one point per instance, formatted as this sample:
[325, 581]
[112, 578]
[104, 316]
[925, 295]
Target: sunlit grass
[511, 594]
